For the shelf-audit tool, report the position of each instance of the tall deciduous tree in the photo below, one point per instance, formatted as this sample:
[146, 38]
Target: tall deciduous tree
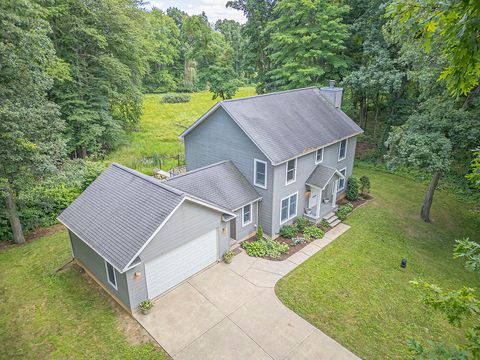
[452, 26]
[31, 141]
[429, 140]
[307, 43]
[259, 14]
[105, 47]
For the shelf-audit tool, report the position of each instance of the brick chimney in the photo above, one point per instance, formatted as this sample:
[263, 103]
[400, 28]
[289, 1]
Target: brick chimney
[332, 93]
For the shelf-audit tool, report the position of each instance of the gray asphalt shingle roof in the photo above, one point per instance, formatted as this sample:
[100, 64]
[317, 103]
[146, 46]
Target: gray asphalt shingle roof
[221, 183]
[119, 212]
[320, 176]
[289, 123]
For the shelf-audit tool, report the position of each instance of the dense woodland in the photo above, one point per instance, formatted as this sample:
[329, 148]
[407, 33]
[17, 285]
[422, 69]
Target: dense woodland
[73, 73]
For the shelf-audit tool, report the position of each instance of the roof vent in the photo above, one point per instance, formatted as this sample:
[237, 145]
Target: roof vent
[332, 94]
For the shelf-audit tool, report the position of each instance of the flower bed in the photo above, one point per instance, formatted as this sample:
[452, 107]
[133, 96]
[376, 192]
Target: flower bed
[295, 237]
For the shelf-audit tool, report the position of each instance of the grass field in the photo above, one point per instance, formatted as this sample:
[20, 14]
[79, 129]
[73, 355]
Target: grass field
[355, 290]
[49, 315]
[157, 135]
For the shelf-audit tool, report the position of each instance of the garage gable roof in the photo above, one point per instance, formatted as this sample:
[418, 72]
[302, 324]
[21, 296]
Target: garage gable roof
[220, 183]
[121, 211]
[287, 124]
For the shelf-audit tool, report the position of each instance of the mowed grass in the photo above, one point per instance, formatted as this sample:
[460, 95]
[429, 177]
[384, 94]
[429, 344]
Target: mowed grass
[49, 315]
[355, 290]
[157, 134]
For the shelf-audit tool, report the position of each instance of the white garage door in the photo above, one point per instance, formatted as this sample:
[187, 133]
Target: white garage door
[177, 265]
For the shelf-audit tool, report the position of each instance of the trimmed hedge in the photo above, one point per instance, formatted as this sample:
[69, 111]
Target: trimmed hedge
[175, 98]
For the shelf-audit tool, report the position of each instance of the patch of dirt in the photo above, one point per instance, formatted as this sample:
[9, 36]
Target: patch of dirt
[360, 201]
[33, 235]
[364, 147]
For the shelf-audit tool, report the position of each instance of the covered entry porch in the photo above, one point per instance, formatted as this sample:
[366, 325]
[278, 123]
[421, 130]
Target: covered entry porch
[321, 192]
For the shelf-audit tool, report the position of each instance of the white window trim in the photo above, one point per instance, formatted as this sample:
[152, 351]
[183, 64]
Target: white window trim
[243, 215]
[294, 172]
[255, 161]
[344, 180]
[340, 148]
[321, 160]
[290, 217]
[115, 286]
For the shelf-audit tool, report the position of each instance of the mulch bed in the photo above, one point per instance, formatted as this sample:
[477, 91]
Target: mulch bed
[360, 201]
[291, 249]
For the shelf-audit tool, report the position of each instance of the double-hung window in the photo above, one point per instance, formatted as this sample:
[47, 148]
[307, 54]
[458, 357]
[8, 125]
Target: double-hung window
[342, 151]
[291, 171]
[260, 173]
[319, 156]
[111, 276]
[247, 215]
[341, 182]
[288, 208]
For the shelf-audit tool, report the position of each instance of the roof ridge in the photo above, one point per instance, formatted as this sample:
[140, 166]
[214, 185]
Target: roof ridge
[149, 179]
[199, 169]
[268, 94]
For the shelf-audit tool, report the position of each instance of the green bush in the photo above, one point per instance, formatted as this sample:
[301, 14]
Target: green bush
[288, 231]
[364, 185]
[298, 240]
[344, 210]
[255, 248]
[228, 256]
[265, 247]
[353, 185]
[175, 98]
[301, 223]
[259, 232]
[324, 225]
[40, 203]
[313, 232]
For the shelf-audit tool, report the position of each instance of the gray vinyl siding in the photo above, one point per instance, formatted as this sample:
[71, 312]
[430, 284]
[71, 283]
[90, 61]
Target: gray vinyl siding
[96, 265]
[305, 166]
[137, 288]
[219, 138]
[243, 232]
[190, 221]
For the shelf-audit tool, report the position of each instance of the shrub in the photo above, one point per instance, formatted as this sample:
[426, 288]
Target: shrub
[301, 223]
[259, 232]
[265, 247]
[344, 210]
[324, 225]
[145, 305]
[255, 248]
[228, 256]
[364, 185]
[175, 98]
[288, 231]
[298, 240]
[352, 188]
[313, 232]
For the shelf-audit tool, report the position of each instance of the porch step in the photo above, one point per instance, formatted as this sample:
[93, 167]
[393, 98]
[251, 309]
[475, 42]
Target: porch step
[331, 219]
[335, 223]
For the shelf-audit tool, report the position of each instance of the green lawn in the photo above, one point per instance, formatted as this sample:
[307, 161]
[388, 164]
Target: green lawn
[355, 290]
[49, 315]
[157, 135]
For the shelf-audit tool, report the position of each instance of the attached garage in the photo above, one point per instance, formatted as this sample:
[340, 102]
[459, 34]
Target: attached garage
[170, 269]
[138, 237]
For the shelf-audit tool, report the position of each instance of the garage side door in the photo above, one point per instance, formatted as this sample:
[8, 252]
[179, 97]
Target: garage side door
[169, 269]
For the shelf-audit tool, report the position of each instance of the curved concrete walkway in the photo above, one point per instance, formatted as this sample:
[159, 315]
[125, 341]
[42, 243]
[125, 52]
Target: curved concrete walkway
[231, 312]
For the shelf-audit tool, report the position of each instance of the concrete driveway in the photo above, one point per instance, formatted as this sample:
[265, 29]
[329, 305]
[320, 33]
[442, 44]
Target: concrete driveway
[232, 312]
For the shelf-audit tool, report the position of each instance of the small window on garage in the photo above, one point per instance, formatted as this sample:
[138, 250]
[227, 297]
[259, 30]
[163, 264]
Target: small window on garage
[247, 215]
[111, 276]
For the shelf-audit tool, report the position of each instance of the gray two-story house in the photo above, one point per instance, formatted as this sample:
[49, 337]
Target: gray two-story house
[262, 160]
[295, 147]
